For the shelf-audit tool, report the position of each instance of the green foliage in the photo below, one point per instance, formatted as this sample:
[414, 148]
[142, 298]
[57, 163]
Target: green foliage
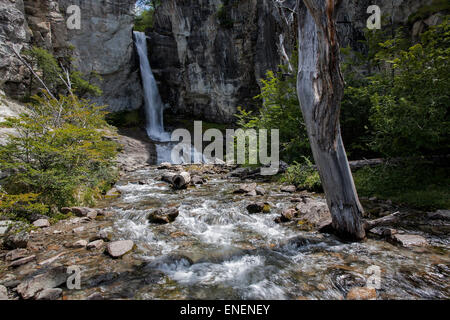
[54, 74]
[21, 205]
[410, 101]
[419, 185]
[58, 154]
[144, 20]
[303, 176]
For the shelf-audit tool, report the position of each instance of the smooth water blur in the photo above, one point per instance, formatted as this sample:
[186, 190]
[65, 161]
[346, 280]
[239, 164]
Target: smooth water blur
[216, 250]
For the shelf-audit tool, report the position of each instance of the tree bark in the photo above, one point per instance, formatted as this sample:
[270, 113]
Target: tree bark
[320, 89]
[181, 180]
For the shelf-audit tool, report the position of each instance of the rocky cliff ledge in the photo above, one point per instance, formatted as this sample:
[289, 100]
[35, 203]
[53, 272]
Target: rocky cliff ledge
[104, 43]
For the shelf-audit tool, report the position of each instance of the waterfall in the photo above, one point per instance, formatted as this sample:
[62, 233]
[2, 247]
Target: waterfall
[154, 107]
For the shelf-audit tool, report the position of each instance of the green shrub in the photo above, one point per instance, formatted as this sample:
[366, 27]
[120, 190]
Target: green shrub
[59, 153]
[303, 176]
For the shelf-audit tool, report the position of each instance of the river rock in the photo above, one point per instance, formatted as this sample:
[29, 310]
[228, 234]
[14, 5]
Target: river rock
[117, 249]
[314, 212]
[16, 240]
[78, 230]
[95, 296]
[409, 240]
[197, 180]
[288, 189]
[362, 293]
[260, 191]
[165, 165]
[168, 177]
[246, 188]
[3, 293]
[50, 279]
[81, 211]
[286, 215]
[49, 294]
[80, 244]
[92, 215]
[105, 234]
[41, 223]
[258, 207]
[16, 254]
[163, 216]
[22, 261]
[97, 244]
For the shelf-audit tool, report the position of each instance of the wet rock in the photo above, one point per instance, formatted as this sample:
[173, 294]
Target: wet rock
[286, 215]
[163, 216]
[439, 215]
[16, 254]
[92, 215]
[41, 223]
[246, 188]
[181, 180]
[314, 212]
[389, 232]
[258, 207]
[97, 245]
[117, 249]
[3, 293]
[16, 240]
[22, 261]
[288, 189]
[80, 244]
[260, 191]
[49, 294]
[78, 230]
[81, 211]
[409, 240]
[165, 165]
[65, 210]
[50, 279]
[362, 293]
[105, 234]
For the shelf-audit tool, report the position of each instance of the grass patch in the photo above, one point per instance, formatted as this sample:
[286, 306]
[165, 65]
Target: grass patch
[419, 185]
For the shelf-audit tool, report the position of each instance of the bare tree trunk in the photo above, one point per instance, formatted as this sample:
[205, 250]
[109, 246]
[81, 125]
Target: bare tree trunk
[320, 89]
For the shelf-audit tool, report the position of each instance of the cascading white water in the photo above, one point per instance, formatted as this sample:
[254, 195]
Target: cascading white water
[154, 107]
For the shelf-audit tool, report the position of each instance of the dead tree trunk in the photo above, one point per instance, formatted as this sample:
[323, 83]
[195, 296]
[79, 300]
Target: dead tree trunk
[320, 89]
[181, 180]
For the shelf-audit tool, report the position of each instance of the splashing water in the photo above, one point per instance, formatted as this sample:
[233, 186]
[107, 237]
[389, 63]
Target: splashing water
[154, 107]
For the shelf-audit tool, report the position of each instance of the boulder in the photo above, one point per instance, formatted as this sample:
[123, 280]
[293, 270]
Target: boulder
[105, 234]
[181, 180]
[92, 215]
[409, 240]
[165, 165]
[3, 293]
[197, 180]
[288, 189]
[163, 216]
[50, 279]
[258, 207]
[80, 244]
[260, 191]
[117, 249]
[78, 230]
[362, 293]
[81, 211]
[41, 223]
[97, 244]
[16, 240]
[246, 188]
[314, 212]
[286, 215]
[49, 294]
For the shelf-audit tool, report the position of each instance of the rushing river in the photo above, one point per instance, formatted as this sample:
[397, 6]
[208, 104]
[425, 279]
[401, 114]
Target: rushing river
[216, 250]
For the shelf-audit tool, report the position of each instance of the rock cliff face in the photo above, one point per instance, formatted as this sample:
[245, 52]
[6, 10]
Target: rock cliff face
[104, 43]
[209, 55]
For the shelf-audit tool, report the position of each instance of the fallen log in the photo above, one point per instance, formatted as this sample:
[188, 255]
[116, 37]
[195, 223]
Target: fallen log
[181, 180]
[384, 221]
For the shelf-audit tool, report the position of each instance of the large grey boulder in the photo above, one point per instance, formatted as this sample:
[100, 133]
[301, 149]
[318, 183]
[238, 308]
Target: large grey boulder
[3, 293]
[117, 249]
[48, 280]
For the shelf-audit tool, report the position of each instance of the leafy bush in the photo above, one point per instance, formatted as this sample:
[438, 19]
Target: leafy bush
[22, 205]
[58, 154]
[303, 176]
[420, 184]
